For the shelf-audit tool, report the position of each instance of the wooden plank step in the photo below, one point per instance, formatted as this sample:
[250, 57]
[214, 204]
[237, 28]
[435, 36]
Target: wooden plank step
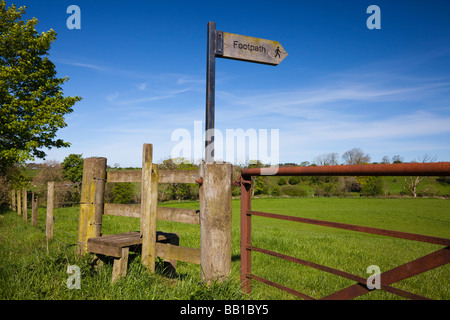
[112, 245]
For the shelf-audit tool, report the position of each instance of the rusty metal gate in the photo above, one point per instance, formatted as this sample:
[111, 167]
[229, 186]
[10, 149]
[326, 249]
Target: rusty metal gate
[415, 267]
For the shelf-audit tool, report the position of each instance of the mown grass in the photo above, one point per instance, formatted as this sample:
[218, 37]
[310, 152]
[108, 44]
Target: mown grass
[32, 269]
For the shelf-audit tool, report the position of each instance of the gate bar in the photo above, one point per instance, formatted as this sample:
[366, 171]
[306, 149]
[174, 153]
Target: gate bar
[382, 232]
[396, 169]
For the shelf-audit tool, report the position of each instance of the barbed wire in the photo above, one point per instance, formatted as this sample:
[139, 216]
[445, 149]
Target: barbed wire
[71, 234]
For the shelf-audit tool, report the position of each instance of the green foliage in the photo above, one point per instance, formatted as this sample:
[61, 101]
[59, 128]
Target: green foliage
[259, 186]
[5, 193]
[177, 191]
[275, 191]
[293, 191]
[72, 167]
[294, 180]
[32, 105]
[371, 186]
[123, 193]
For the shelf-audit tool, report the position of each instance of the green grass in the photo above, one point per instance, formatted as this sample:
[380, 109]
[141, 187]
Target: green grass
[347, 250]
[31, 269]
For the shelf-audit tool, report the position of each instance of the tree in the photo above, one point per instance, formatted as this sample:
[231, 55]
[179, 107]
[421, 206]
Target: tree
[385, 160]
[32, 105]
[411, 185]
[327, 159]
[397, 159]
[355, 156]
[72, 167]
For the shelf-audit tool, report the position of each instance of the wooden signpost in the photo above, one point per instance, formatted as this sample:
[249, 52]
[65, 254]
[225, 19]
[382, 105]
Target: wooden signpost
[237, 47]
[244, 48]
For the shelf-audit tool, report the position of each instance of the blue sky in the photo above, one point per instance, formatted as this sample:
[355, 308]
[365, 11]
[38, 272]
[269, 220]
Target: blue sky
[140, 68]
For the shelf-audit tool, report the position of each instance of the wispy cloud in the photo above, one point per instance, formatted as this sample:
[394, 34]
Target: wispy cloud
[83, 65]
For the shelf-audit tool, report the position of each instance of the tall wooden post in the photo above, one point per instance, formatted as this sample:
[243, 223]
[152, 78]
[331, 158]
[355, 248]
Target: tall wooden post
[91, 202]
[149, 205]
[215, 221]
[50, 207]
[13, 199]
[19, 204]
[24, 205]
[34, 205]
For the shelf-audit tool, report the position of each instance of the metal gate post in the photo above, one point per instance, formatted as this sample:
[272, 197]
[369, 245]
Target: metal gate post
[246, 237]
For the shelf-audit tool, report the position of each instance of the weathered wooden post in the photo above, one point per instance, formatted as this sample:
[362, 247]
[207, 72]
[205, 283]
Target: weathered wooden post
[25, 205]
[19, 204]
[91, 202]
[215, 221]
[149, 206]
[34, 205]
[50, 206]
[13, 200]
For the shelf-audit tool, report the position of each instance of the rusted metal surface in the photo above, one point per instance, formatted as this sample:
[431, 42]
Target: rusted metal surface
[415, 267]
[246, 237]
[397, 169]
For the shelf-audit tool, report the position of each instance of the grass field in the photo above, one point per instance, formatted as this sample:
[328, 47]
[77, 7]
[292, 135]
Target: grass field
[32, 269]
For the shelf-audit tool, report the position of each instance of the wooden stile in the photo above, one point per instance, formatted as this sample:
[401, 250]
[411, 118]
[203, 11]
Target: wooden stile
[214, 256]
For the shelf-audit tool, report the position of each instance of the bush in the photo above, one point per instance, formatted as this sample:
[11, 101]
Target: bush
[5, 194]
[122, 193]
[293, 191]
[371, 186]
[328, 190]
[294, 180]
[281, 181]
[276, 191]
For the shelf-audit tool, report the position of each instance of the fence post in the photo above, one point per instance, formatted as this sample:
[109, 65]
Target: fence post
[246, 238]
[91, 202]
[50, 206]
[13, 200]
[25, 204]
[215, 221]
[149, 205]
[34, 209]
[19, 204]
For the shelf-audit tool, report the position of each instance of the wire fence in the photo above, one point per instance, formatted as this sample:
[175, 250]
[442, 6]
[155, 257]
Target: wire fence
[65, 230]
